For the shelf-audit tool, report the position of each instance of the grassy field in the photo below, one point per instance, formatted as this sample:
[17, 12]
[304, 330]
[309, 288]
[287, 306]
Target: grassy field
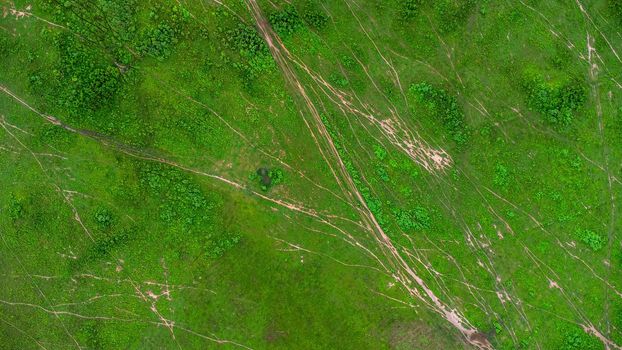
[356, 174]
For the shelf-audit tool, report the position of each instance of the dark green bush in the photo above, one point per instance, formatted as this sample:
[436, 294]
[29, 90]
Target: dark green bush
[314, 18]
[15, 207]
[194, 217]
[104, 218]
[109, 25]
[157, 42]
[217, 246]
[82, 82]
[409, 9]
[592, 239]
[380, 152]
[616, 9]
[267, 178]
[413, 219]
[246, 41]
[181, 200]
[576, 339]
[502, 176]
[557, 102]
[444, 107]
[286, 21]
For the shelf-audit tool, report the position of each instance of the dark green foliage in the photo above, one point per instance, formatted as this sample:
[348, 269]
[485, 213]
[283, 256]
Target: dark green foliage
[413, 219]
[81, 82]
[267, 178]
[576, 339]
[256, 58]
[557, 102]
[380, 152]
[90, 332]
[314, 17]
[381, 172]
[104, 246]
[15, 207]
[593, 240]
[219, 245]
[502, 176]
[6, 45]
[408, 9]
[246, 41]
[615, 6]
[195, 218]
[86, 82]
[286, 21]
[444, 107]
[106, 25]
[181, 200]
[172, 26]
[338, 80]
[276, 175]
[104, 218]
[348, 62]
[157, 42]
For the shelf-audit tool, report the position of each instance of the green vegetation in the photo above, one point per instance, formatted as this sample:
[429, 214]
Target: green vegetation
[592, 239]
[557, 102]
[267, 178]
[398, 167]
[616, 9]
[443, 107]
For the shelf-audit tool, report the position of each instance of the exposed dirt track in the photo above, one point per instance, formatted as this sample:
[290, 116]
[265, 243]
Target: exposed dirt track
[402, 271]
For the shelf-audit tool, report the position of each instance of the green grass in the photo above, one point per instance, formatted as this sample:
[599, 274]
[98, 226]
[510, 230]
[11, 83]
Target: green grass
[145, 223]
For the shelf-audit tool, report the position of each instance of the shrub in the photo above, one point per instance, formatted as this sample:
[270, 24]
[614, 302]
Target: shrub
[15, 207]
[218, 245]
[577, 340]
[267, 178]
[408, 10]
[103, 217]
[444, 107]
[181, 200]
[82, 81]
[380, 152]
[338, 80]
[104, 246]
[246, 41]
[616, 9]
[110, 25]
[157, 42]
[381, 171]
[276, 175]
[286, 22]
[558, 102]
[314, 18]
[502, 176]
[414, 219]
[593, 240]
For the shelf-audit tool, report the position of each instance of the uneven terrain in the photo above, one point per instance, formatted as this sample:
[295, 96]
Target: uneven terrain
[307, 174]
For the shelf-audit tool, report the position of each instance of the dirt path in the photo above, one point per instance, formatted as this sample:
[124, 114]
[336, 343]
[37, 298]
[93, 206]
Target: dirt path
[403, 272]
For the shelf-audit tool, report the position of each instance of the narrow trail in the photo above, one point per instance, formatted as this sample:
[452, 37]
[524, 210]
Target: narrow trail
[404, 274]
[402, 262]
[593, 72]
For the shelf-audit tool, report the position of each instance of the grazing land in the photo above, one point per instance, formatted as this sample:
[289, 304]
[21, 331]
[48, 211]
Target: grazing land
[305, 174]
